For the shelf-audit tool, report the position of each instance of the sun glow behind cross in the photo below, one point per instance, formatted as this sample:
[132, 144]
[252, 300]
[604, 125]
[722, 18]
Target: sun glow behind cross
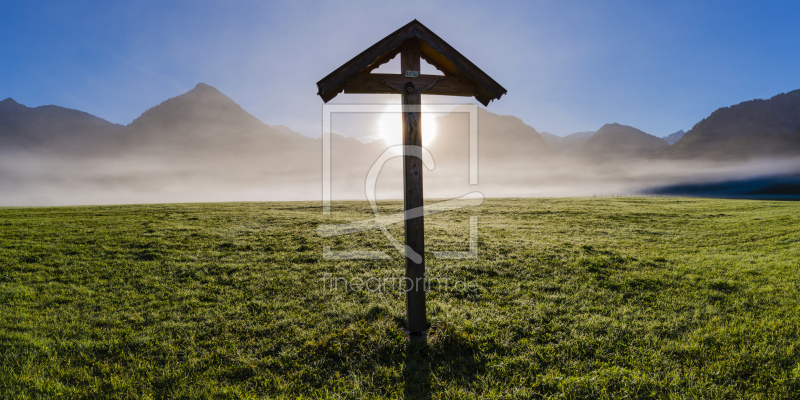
[390, 126]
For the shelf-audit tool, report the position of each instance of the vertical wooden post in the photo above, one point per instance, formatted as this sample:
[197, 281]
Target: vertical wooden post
[412, 180]
[462, 78]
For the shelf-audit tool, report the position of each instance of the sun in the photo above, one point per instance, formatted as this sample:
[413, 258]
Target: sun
[390, 127]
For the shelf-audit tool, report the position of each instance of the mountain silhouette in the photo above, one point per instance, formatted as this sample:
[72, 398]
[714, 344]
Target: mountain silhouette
[566, 144]
[204, 146]
[751, 129]
[204, 121]
[674, 137]
[619, 142]
[203, 104]
[550, 138]
[50, 129]
[502, 138]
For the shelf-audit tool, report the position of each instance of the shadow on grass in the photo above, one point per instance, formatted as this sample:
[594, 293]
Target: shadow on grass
[417, 370]
[453, 359]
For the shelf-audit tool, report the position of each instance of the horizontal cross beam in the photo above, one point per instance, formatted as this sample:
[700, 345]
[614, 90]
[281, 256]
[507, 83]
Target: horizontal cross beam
[446, 86]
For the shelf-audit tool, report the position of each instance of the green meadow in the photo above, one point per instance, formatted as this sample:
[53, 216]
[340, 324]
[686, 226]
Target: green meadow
[587, 298]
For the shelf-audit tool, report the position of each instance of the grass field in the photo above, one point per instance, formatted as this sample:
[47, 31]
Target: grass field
[571, 298]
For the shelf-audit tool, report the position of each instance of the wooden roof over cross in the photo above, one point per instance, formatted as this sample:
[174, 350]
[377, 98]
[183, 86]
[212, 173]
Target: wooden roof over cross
[461, 76]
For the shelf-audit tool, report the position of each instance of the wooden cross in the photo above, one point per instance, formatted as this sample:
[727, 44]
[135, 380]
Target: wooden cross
[461, 78]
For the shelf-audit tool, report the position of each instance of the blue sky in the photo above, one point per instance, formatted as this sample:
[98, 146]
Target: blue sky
[568, 66]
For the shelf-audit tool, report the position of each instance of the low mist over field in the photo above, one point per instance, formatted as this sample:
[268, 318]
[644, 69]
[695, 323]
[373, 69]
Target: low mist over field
[201, 146]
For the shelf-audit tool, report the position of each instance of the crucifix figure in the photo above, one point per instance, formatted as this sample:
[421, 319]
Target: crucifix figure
[412, 42]
[408, 90]
[411, 96]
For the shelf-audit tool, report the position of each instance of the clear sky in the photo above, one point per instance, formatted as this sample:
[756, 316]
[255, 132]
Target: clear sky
[568, 66]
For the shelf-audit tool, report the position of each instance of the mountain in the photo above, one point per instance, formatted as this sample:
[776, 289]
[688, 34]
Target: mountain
[581, 135]
[568, 143]
[198, 145]
[204, 120]
[505, 137]
[50, 128]
[550, 138]
[619, 142]
[751, 129]
[506, 144]
[572, 141]
[673, 137]
[288, 132]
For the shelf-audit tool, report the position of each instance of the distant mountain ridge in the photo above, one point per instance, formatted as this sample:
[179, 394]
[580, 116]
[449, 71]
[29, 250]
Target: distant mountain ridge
[203, 102]
[616, 141]
[204, 118]
[49, 128]
[566, 144]
[204, 139]
[755, 128]
[674, 137]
